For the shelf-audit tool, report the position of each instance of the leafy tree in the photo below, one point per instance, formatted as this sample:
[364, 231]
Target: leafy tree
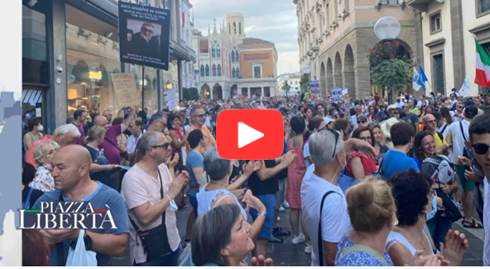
[392, 74]
[286, 87]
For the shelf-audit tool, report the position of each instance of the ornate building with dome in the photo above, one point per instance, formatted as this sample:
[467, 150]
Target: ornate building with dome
[231, 65]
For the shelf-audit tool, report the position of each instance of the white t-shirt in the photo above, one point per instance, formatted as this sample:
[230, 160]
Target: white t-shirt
[335, 218]
[486, 223]
[454, 130]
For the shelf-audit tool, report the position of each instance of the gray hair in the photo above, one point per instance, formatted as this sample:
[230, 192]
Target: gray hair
[216, 168]
[42, 149]
[322, 146]
[67, 129]
[145, 144]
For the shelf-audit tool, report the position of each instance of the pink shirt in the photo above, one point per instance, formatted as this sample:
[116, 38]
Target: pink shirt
[138, 188]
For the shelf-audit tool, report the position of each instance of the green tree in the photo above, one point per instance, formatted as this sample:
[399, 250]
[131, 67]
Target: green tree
[286, 87]
[392, 75]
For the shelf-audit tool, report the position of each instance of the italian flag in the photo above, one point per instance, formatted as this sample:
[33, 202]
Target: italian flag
[482, 75]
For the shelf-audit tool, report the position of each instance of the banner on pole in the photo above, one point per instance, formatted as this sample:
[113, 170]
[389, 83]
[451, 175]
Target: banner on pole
[144, 35]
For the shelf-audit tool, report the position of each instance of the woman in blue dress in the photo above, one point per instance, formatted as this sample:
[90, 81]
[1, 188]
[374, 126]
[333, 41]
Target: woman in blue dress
[371, 210]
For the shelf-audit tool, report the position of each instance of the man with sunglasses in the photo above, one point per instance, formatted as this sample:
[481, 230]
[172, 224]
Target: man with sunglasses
[479, 133]
[198, 117]
[149, 189]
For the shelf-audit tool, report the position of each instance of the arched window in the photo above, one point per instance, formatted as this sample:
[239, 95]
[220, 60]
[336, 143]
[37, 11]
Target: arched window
[207, 70]
[218, 52]
[202, 70]
[214, 70]
[233, 72]
[240, 28]
[212, 52]
[234, 27]
[219, 70]
[237, 72]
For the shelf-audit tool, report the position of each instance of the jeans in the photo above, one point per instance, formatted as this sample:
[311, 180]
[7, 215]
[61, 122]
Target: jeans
[269, 201]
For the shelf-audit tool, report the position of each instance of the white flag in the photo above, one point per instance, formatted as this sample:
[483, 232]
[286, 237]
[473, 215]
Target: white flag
[465, 90]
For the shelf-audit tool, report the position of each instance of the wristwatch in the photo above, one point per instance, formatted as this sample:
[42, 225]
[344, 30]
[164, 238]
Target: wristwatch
[88, 242]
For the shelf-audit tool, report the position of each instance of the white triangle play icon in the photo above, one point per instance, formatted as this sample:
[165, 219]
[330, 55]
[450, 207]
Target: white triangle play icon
[247, 135]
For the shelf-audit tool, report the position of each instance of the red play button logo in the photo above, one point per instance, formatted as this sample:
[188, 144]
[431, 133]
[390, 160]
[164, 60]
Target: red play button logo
[250, 134]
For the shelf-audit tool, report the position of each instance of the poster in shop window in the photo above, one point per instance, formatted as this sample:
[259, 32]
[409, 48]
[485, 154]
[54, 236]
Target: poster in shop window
[144, 35]
[125, 91]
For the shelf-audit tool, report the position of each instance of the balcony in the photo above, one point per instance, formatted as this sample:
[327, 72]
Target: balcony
[422, 5]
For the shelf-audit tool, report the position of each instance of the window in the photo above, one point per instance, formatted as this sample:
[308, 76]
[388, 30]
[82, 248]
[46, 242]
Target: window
[214, 70]
[240, 28]
[202, 70]
[483, 6]
[219, 70]
[207, 70]
[237, 73]
[245, 91]
[389, 2]
[234, 27]
[267, 91]
[438, 73]
[257, 68]
[218, 52]
[435, 22]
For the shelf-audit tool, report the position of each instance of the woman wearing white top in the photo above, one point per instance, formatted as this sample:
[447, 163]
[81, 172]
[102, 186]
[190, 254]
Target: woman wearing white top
[410, 238]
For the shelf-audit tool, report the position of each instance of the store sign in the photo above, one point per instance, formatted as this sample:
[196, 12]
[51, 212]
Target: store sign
[125, 91]
[144, 35]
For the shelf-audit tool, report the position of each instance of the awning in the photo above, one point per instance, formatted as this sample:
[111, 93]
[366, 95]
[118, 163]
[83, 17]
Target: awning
[32, 96]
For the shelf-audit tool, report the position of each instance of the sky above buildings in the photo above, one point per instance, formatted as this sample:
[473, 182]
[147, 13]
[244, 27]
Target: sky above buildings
[272, 20]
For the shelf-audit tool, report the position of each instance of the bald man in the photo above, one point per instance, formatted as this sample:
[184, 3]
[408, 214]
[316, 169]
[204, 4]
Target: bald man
[101, 121]
[71, 167]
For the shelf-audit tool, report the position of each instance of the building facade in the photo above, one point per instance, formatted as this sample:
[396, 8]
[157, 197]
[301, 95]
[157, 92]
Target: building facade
[231, 64]
[336, 39]
[449, 30]
[71, 56]
[292, 80]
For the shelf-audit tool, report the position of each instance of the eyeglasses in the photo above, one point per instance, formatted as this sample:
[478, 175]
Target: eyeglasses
[481, 148]
[162, 146]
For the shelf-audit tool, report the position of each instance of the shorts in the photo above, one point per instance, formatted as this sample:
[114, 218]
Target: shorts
[467, 185]
[269, 201]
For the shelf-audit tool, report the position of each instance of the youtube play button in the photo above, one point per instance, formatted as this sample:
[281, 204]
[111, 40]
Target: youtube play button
[250, 134]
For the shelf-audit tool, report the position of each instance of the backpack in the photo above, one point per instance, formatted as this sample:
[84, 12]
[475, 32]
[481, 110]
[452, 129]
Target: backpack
[438, 168]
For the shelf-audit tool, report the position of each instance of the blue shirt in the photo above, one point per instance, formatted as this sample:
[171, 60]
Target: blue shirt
[102, 197]
[349, 254]
[194, 160]
[395, 162]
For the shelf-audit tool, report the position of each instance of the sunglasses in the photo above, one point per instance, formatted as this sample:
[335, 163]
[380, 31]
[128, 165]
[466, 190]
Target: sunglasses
[162, 146]
[481, 148]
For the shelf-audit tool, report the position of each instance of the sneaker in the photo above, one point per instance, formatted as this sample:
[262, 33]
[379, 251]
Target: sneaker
[308, 248]
[281, 209]
[300, 238]
[285, 204]
[279, 232]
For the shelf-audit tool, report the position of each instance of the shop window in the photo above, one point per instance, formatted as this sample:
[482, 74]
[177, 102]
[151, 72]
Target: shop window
[435, 22]
[267, 91]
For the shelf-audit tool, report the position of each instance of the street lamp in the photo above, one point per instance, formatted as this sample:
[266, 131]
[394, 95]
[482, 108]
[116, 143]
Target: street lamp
[169, 85]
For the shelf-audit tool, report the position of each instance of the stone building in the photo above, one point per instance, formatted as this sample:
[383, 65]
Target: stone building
[71, 56]
[231, 64]
[449, 30]
[336, 39]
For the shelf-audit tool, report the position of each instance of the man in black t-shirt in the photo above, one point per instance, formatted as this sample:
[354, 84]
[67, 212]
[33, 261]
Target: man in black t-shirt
[264, 185]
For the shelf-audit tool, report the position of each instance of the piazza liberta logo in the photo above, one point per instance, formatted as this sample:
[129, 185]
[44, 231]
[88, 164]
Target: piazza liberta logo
[67, 215]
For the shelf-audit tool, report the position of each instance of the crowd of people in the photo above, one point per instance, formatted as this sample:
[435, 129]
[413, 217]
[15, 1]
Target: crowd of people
[364, 182]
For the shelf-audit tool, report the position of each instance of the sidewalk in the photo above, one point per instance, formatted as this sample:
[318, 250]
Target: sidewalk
[474, 254]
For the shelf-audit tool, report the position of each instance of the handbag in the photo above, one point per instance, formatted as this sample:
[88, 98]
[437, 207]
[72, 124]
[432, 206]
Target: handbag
[451, 211]
[320, 243]
[155, 240]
